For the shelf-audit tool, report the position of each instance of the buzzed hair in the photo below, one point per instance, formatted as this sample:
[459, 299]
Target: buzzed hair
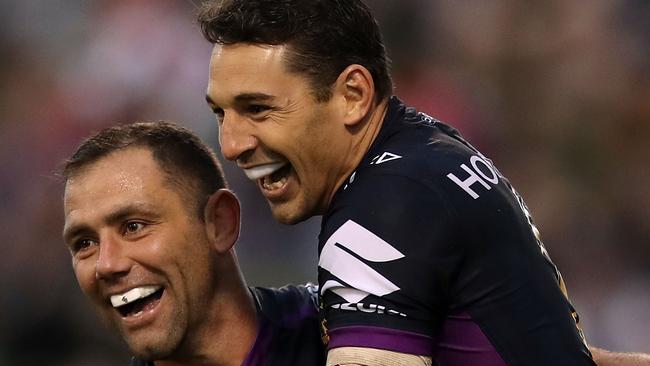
[189, 165]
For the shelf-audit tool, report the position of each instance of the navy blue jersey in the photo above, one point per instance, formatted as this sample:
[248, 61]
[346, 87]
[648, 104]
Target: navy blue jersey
[288, 328]
[427, 249]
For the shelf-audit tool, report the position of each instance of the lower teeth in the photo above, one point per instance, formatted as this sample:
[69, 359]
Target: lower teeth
[270, 185]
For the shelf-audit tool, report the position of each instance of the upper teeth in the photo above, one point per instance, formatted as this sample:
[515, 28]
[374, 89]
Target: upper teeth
[132, 295]
[260, 171]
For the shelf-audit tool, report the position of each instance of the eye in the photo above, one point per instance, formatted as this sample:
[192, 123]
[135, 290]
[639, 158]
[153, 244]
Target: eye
[218, 113]
[132, 227]
[83, 244]
[257, 108]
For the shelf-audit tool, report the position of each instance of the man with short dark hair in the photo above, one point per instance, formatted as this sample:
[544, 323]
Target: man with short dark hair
[151, 229]
[426, 251]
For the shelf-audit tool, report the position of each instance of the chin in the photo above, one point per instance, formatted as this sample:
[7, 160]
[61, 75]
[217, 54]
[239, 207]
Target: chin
[159, 350]
[285, 219]
[288, 215]
[154, 344]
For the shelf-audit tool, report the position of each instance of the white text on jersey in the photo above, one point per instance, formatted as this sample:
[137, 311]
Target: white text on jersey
[476, 175]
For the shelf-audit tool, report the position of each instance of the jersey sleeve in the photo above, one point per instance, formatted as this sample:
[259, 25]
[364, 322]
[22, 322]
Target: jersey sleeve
[387, 257]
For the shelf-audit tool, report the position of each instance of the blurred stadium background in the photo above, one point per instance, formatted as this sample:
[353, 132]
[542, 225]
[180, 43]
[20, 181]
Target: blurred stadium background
[557, 92]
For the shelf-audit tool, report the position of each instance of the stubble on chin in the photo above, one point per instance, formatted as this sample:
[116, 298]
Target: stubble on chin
[152, 345]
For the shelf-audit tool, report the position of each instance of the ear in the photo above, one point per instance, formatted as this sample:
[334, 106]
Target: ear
[356, 86]
[221, 217]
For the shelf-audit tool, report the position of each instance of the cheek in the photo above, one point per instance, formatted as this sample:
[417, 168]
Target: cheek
[186, 255]
[308, 142]
[85, 273]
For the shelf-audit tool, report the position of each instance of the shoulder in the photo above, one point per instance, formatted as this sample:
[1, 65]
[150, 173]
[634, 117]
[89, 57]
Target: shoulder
[416, 147]
[289, 306]
[426, 152]
[409, 167]
[290, 327]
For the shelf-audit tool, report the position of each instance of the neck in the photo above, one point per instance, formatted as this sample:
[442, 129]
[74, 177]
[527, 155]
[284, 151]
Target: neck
[230, 330]
[363, 137]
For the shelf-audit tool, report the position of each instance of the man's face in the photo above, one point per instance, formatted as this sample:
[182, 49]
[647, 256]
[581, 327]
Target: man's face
[292, 146]
[135, 243]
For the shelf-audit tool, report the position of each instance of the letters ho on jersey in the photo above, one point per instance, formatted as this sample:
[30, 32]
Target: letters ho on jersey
[481, 172]
[351, 241]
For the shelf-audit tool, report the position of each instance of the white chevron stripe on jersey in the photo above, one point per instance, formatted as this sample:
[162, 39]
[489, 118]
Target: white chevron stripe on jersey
[351, 295]
[353, 271]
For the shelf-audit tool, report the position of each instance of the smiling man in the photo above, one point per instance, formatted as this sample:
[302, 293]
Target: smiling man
[289, 157]
[151, 230]
[426, 252]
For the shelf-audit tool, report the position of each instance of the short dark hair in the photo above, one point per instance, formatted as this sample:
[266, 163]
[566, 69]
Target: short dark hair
[188, 163]
[324, 36]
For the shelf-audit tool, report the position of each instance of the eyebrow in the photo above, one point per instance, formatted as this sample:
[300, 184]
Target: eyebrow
[72, 231]
[210, 101]
[249, 97]
[117, 216]
[243, 98]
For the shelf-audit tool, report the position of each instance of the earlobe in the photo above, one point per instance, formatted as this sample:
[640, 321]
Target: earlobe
[222, 215]
[358, 89]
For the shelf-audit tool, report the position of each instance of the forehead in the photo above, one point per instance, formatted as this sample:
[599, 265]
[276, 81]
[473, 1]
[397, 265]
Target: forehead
[125, 175]
[244, 68]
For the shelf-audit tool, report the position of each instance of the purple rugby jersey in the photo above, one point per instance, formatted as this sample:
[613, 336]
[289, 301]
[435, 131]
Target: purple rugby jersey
[461, 342]
[288, 328]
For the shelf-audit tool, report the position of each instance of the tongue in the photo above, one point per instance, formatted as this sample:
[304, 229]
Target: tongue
[143, 305]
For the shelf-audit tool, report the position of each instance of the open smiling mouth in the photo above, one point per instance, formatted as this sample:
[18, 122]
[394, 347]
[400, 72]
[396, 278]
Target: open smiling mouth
[272, 176]
[137, 300]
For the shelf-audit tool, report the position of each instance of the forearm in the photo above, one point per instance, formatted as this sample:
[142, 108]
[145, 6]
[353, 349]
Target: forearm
[606, 358]
[358, 356]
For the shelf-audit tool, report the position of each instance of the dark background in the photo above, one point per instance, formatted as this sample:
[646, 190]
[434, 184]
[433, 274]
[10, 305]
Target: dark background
[556, 92]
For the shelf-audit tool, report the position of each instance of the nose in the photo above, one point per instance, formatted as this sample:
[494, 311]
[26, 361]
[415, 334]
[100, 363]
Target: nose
[112, 262]
[235, 136]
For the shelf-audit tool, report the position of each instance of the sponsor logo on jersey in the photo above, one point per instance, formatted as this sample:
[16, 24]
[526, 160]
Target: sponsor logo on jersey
[379, 159]
[482, 172]
[479, 175]
[355, 280]
[366, 308]
[384, 157]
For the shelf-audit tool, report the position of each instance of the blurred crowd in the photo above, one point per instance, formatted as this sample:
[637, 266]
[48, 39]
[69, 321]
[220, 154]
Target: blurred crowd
[556, 92]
